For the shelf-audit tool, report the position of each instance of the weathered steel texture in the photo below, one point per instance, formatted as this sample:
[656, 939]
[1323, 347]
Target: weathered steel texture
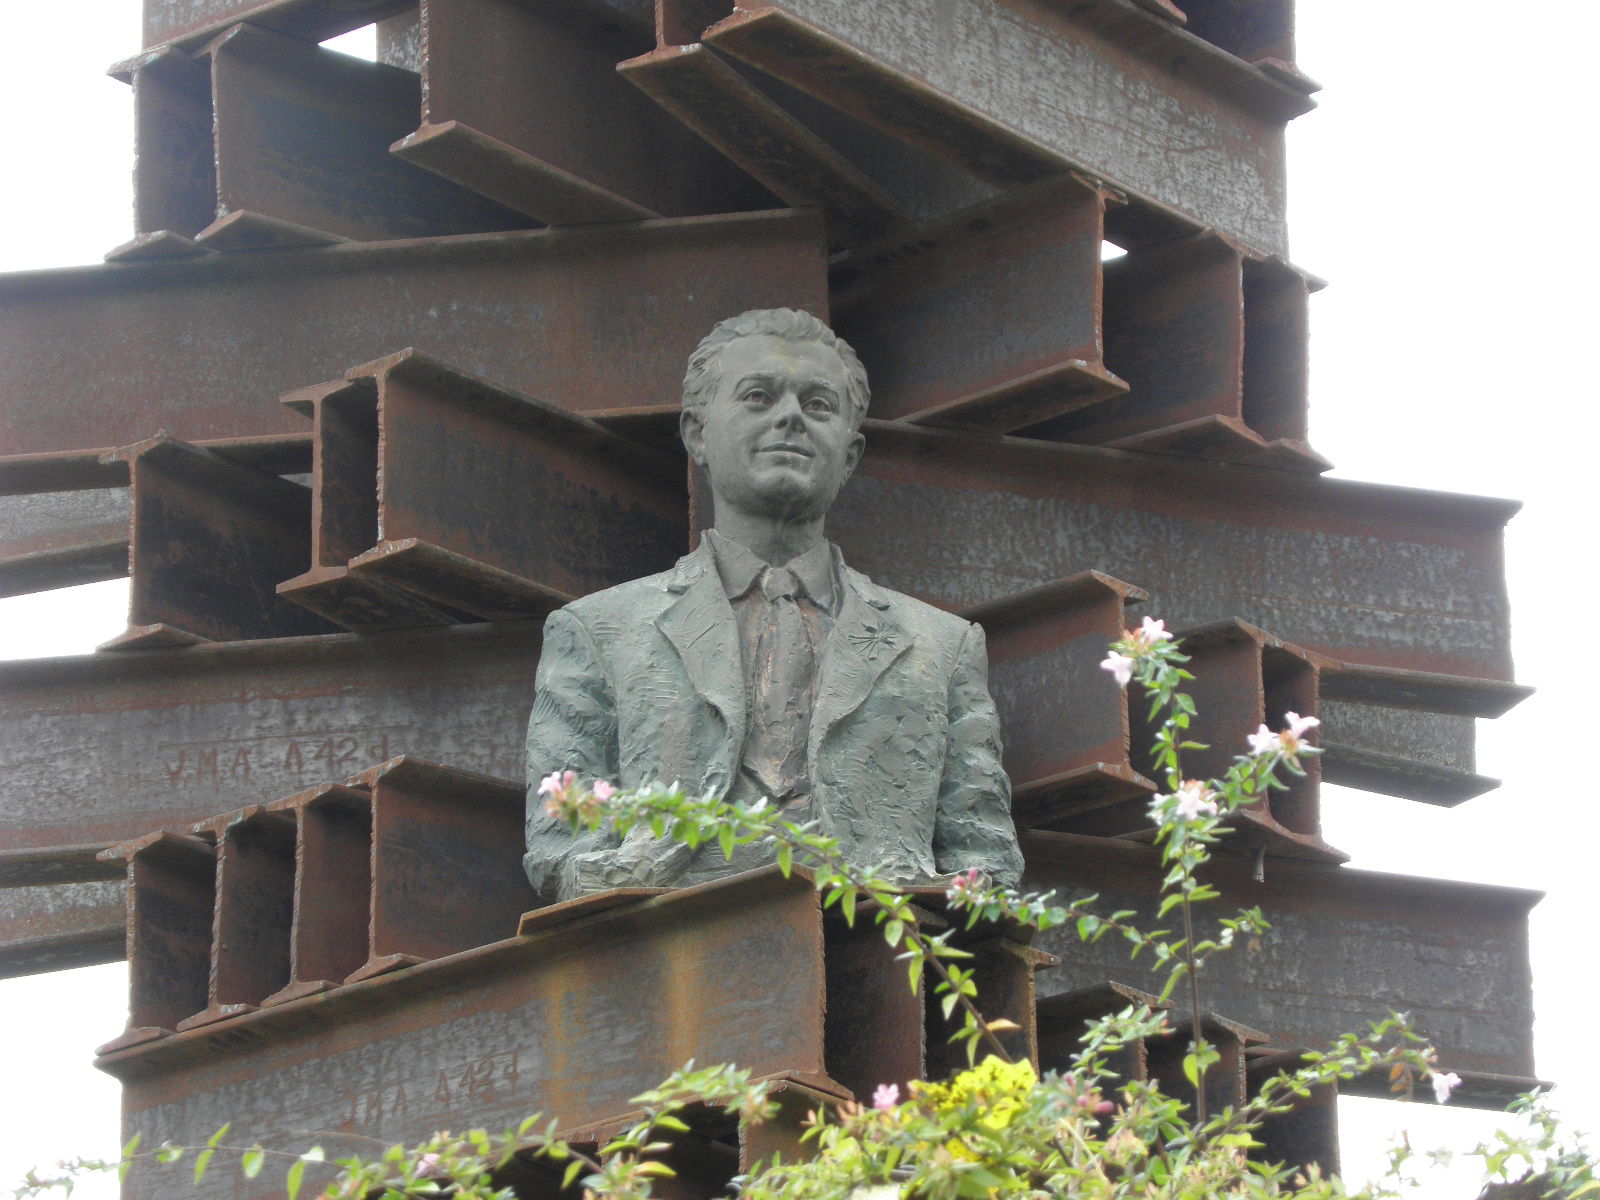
[331, 932]
[1212, 346]
[446, 868]
[209, 539]
[174, 163]
[550, 1022]
[1013, 93]
[64, 517]
[302, 136]
[1258, 31]
[172, 887]
[188, 21]
[1408, 733]
[1423, 756]
[202, 347]
[55, 927]
[57, 539]
[473, 498]
[1065, 720]
[1366, 574]
[989, 320]
[708, 95]
[246, 722]
[1346, 946]
[874, 1027]
[523, 104]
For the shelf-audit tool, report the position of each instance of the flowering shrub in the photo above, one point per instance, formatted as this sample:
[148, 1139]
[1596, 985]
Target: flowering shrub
[995, 1129]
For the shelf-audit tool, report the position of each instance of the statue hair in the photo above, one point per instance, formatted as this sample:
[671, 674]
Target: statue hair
[705, 364]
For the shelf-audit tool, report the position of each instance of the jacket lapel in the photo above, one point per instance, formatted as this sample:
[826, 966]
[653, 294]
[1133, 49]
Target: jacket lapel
[700, 626]
[864, 644]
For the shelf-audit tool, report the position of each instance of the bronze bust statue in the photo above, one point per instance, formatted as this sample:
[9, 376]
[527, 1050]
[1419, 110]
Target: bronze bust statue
[761, 665]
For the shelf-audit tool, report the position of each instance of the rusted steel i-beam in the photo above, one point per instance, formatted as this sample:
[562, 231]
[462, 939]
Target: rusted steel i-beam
[1345, 947]
[208, 538]
[203, 347]
[927, 312]
[1066, 722]
[1419, 584]
[437, 493]
[1211, 342]
[1015, 95]
[261, 720]
[522, 103]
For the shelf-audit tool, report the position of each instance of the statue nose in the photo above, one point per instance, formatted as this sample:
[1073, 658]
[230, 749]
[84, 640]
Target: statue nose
[788, 413]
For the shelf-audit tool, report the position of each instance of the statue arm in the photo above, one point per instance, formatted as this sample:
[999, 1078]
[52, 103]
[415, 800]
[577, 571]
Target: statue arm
[972, 827]
[573, 727]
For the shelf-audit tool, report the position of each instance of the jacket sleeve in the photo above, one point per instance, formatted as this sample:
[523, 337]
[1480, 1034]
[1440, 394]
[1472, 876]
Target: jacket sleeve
[972, 827]
[573, 727]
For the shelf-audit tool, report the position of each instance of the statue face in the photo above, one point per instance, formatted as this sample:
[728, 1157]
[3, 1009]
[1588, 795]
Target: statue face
[777, 438]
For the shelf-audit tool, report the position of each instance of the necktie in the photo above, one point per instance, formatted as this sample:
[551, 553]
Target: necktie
[785, 672]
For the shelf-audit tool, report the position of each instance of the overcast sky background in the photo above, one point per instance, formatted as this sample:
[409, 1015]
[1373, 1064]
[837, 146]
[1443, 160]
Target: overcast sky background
[1441, 188]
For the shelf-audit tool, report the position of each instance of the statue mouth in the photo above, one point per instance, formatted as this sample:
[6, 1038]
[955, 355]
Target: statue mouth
[786, 448]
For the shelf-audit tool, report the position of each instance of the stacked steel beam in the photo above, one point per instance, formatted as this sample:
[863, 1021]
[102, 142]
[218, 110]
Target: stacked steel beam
[389, 370]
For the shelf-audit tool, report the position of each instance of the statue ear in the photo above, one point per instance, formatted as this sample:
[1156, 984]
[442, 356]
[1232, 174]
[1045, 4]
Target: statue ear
[692, 429]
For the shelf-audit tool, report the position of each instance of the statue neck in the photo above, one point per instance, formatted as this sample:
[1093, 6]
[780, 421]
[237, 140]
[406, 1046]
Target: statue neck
[774, 540]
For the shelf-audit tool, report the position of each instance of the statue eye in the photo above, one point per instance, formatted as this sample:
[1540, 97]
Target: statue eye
[757, 396]
[822, 402]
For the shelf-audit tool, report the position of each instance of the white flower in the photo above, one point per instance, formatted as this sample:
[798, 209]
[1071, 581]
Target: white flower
[1120, 666]
[1264, 741]
[1298, 724]
[1444, 1082]
[1194, 800]
[1151, 632]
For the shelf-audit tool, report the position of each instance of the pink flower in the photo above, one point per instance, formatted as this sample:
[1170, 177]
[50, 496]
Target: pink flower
[886, 1096]
[1120, 666]
[1264, 741]
[1151, 632]
[964, 884]
[1444, 1082]
[603, 790]
[428, 1166]
[556, 783]
[1194, 800]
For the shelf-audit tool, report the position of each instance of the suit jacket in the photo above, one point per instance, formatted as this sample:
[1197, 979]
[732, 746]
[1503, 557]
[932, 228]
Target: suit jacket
[643, 682]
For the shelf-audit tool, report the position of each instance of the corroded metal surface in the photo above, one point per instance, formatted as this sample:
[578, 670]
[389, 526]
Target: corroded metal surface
[1366, 574]
[1346, 947]
[251, 722]
[203, 347]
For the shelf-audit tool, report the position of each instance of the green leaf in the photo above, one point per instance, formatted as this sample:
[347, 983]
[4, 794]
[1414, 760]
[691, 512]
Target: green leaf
[574, 1169]
[250, 1162]
[848, 904]
[1191, 1070]
[215, 1139]
[725, 840]
[914, 971]
[893, 931]
[291, 1181]
[168, 1153]
[201, 1161]
[785, 858]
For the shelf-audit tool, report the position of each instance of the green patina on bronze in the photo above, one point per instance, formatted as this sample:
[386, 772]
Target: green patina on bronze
[849, 704]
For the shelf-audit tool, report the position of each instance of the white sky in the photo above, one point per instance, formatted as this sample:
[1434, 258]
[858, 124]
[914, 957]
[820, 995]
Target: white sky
[1441, 187]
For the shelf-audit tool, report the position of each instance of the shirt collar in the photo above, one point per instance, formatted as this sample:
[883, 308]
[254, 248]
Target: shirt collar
[738, 567]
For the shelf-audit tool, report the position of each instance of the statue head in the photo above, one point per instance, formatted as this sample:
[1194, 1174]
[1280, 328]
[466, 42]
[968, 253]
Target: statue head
[772, 407]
